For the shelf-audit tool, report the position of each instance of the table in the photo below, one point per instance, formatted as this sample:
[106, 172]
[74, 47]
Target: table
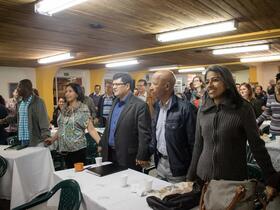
[273, 148]
[29, 174]
[104, 193]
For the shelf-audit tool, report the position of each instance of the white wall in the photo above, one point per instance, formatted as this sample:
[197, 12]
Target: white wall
[14, 75]
[241, 76]
[84, 74]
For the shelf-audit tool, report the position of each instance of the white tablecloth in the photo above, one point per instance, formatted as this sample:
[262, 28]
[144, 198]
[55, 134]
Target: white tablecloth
[105, 193]
[29, 174]
[273, 148]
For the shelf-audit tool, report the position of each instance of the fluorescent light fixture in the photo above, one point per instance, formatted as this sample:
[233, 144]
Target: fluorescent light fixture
[261, 59]
[163, 68]
[196, 31]
[56, 58]
[121, 63]
[191, 70]
[240, 44]
[241, 49]
[49, 7]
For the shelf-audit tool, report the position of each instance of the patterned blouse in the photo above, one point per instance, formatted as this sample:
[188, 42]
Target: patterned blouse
[72, 123]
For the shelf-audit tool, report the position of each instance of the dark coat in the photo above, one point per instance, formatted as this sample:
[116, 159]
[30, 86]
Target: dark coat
[3, 133]
[132, 135]
[179, 135]
[220, 146]
[37, 119]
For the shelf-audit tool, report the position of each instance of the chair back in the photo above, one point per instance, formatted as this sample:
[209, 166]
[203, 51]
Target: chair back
[91, 151]
[3, 166]
[70, 196]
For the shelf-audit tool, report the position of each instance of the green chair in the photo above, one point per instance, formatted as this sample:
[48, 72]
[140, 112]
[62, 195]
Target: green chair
[58, 160]
[91, 151]
[254, 172]
[3, 166]
[70, 196]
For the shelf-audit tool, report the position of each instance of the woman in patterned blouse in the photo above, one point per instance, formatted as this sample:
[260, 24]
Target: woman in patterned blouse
[72, 124]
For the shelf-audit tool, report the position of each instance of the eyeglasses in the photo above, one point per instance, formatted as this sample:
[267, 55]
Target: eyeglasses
[118, 84]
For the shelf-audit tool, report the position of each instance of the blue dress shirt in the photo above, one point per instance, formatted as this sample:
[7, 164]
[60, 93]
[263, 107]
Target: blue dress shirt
[116, 113]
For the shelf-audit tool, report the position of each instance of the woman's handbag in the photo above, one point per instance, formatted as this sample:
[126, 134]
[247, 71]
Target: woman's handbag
[177, 201]
[228, 195]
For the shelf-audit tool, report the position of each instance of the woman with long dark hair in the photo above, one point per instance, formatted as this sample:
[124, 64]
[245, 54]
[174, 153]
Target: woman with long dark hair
[72, 123]
[225, 123]
[247, 93]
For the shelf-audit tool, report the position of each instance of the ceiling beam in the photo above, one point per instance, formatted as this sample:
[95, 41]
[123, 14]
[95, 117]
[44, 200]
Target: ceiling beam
[253, 36]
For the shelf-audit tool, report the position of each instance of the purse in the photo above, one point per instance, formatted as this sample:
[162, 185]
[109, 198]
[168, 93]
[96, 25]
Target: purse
[176, 201]
[228, 195]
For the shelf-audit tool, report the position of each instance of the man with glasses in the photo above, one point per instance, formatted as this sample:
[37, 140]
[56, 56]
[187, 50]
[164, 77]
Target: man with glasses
[128, 132]
[141, 86]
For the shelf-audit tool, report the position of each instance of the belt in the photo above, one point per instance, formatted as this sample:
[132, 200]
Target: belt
[162, 156]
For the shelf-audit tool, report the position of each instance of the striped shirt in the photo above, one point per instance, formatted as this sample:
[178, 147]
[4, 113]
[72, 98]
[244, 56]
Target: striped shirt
[272, 110]
[23, 131]
[107, 105]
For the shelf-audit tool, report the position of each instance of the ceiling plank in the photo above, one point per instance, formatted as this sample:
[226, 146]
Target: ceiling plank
[261, 35]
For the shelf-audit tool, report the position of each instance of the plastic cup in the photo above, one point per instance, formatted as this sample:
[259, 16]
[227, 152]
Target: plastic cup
[123, 180]
[148, 185]
[98, 161]
[79, 167]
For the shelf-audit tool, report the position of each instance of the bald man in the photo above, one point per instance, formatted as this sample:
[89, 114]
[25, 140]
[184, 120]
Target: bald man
[173, 127]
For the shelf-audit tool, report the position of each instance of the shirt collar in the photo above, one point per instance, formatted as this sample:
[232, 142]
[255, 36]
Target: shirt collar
[28, 100]
[167, 104]
[144, 95]
[124, 100]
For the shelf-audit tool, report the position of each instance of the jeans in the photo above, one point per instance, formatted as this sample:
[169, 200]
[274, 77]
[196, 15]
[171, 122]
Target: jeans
[24, 142]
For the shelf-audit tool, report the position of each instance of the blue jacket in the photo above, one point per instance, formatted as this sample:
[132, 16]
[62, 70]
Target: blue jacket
[179, 134]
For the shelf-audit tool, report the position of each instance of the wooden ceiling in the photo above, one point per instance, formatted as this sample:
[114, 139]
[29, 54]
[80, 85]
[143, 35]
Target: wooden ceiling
[126, 25]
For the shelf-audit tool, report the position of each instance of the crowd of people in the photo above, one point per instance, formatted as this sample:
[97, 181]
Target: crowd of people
[187, 133]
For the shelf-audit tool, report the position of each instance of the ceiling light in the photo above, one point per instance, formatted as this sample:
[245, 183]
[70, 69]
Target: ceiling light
[191, 70]
[196, 31]
[260, 59]
[56, 58]
[49, 7]
[241, 49]
[121, 63]
[240, 44]
[163, 68]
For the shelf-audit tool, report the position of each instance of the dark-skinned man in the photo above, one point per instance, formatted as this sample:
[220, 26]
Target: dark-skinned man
[32, 118]
[173, 127]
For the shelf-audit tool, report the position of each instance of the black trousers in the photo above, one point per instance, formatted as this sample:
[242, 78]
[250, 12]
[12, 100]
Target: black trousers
[75, 157]
[112, 157]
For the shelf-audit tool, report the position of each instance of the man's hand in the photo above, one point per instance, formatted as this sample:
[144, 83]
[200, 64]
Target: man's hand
[271, 193]
[143, 163]
[95, 121]
[48, 141]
